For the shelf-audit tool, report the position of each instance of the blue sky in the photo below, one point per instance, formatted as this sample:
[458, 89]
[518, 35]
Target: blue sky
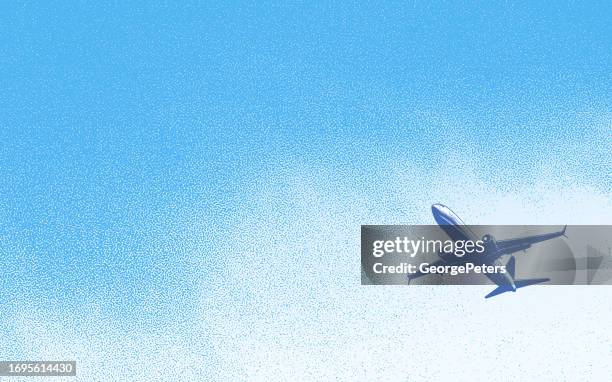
[297, 65]
[174, 174]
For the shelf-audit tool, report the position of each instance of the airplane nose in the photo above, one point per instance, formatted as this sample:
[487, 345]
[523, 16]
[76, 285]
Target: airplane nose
[436, 209]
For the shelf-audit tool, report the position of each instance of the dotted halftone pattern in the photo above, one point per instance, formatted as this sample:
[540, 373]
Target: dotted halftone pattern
[268, 287]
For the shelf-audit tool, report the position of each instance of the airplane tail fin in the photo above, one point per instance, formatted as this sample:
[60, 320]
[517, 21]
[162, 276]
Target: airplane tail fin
[517, 283]
[511, 266]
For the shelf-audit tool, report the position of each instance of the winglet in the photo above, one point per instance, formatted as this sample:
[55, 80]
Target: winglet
[563, 232]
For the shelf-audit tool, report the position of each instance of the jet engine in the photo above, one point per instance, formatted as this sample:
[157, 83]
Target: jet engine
[489, 243]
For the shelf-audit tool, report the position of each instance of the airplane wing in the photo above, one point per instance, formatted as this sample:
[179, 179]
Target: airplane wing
[506, 247]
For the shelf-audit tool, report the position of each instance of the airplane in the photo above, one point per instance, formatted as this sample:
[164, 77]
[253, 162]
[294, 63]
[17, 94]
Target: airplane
[456, 229]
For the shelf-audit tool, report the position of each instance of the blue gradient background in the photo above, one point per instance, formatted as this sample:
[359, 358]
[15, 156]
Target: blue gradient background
[183, 186]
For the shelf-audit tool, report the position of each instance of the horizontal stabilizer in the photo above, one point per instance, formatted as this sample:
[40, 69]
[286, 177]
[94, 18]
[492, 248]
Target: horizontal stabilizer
[527, 282]
[499, 290]
[518, 284]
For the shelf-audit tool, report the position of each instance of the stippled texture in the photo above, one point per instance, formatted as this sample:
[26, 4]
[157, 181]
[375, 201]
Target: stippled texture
[182, 187]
